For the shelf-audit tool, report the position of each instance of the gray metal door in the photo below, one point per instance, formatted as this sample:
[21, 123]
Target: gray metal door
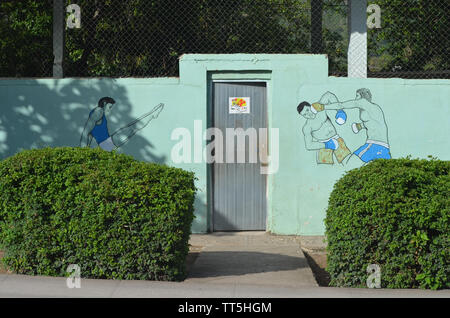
[239, 188]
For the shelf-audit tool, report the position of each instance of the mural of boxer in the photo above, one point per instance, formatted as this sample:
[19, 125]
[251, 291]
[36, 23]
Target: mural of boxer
[372, 122]
[320, 134]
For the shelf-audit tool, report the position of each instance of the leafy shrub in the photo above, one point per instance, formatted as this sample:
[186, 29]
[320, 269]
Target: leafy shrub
[112, 215]
[393, 213]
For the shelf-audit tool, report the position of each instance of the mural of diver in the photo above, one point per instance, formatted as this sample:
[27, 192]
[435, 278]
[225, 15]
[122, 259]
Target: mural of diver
[96, 126]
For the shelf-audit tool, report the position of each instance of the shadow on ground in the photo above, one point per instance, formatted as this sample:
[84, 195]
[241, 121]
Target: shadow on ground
[318, 263]
[231, 263]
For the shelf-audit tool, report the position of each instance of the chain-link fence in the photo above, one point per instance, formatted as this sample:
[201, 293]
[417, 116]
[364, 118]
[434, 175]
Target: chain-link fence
[26, 38]
[145, 38]
[413, 40]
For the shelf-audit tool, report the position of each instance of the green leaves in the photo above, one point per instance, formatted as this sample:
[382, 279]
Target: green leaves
[26, 38]
[394, 213]
[412, 37]
[113, 216]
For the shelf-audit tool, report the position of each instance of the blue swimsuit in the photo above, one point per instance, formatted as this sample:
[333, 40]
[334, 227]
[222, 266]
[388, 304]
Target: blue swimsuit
[100, 132]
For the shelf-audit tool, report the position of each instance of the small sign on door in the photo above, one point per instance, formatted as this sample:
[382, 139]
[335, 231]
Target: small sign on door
[239, 105]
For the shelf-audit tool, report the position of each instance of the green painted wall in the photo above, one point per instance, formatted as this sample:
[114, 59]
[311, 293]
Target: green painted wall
[417, 116]
[40, 112]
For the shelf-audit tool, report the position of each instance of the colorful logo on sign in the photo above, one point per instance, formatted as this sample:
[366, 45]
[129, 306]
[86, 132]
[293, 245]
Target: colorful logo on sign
[239, 102]
[239, 105]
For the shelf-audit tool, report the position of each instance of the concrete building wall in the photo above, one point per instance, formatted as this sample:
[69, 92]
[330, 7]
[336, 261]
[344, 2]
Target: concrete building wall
[49, 112]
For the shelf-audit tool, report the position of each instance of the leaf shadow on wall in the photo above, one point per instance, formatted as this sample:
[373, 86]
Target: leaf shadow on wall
[37, 115]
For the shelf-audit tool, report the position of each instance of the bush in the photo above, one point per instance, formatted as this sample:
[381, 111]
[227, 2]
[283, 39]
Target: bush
[114, 216]
[393, 213]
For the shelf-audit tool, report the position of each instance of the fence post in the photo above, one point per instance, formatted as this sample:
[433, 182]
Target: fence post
[316, 26]
[58, 38]
[357, 46]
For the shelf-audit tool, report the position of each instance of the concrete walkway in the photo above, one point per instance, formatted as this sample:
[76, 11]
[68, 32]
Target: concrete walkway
[229, 265]
[251, 258]
[19, 286]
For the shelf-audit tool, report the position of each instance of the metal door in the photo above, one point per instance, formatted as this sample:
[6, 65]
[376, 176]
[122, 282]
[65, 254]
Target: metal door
[239, 188]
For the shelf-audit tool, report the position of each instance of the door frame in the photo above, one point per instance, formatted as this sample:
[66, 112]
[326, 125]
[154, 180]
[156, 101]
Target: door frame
[242, 78]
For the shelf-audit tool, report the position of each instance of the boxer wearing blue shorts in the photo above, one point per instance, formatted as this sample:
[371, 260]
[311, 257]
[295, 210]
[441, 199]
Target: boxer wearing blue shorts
[372, 150]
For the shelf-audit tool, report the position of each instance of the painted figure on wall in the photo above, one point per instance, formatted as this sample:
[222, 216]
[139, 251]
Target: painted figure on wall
[372, 122]
[96, 126]
[320, 135]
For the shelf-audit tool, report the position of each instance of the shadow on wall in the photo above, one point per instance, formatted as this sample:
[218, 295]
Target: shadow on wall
[37, 115]
[199, 224]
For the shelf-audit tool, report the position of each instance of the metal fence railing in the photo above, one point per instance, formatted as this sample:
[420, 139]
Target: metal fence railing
[144, 38]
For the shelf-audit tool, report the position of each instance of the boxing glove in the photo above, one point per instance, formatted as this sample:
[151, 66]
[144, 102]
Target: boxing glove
[317, 107]
[341, 117]
[356, 127]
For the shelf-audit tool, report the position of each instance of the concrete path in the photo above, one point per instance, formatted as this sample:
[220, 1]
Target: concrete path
[20, 286]
[230, 265]
[252, 258]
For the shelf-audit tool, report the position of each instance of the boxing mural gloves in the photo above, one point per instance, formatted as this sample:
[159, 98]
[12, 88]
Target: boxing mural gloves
[357, 127]
[341, 117]
[317, 107]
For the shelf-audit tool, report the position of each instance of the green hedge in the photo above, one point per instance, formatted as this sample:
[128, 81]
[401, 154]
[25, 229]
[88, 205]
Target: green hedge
[393, 213]
[114, 216]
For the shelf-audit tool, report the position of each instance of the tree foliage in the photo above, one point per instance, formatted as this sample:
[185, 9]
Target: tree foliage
[413, 36]
[146, 37]
[26, 38]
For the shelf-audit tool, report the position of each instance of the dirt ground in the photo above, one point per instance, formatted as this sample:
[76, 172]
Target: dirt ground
[317, 260]
[2, 268]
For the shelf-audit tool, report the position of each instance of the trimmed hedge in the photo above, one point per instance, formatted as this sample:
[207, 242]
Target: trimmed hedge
[115, 217]
[393, 213]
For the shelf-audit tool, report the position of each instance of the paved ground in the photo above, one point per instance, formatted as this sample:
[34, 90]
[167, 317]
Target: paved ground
[253, 258]
[247, 264]
[25, 286]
